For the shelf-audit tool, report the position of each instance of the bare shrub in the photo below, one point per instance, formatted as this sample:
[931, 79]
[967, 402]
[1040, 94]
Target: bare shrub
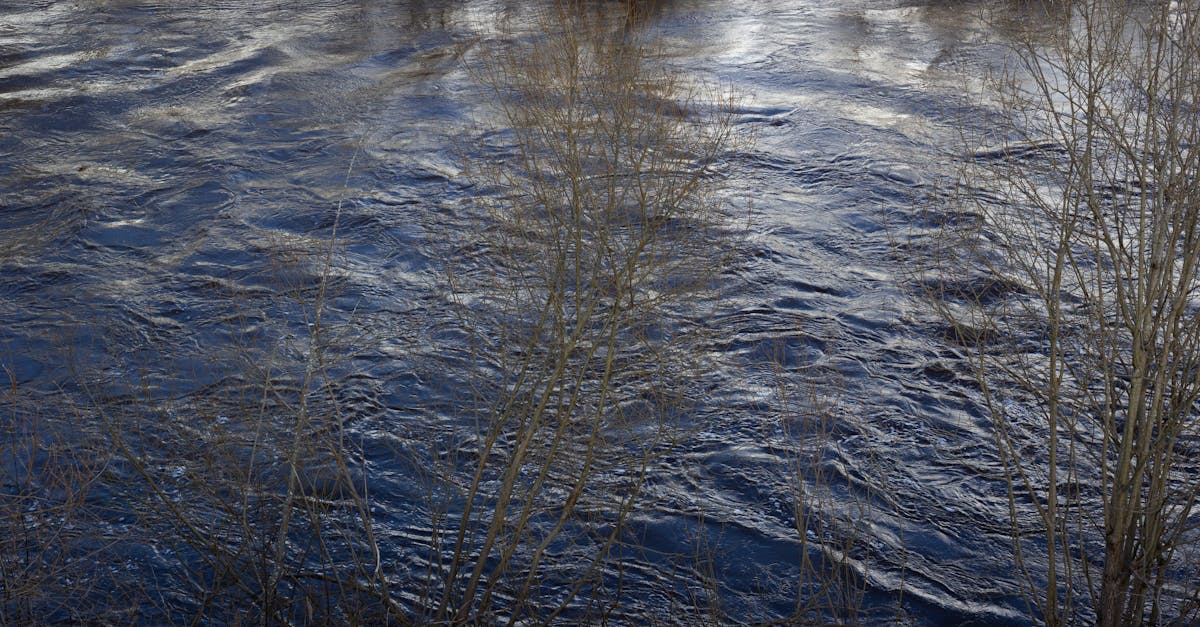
[833, 532]
[597, 246]
[244, 474]
[1083, 322]
[52, 530]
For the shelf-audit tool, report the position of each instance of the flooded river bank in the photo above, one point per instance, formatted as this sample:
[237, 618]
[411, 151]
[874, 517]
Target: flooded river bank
[172, 174]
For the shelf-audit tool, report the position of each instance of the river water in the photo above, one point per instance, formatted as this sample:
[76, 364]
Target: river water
[170, 172]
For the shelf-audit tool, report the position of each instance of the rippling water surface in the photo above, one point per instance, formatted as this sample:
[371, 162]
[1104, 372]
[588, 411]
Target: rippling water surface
[170, 173]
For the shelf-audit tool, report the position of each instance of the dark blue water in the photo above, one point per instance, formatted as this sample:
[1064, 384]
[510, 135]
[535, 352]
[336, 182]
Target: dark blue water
[171, 176]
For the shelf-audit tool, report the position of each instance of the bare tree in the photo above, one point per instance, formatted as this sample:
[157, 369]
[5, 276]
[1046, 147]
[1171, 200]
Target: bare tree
[1084, 324]
[598, 239]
